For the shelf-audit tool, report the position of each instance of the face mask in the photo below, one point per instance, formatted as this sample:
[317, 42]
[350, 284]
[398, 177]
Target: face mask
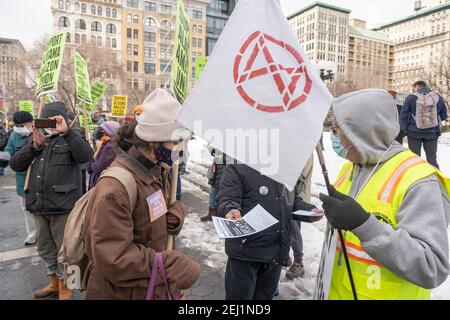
[338, 147]
[164, 155]
[24, 131]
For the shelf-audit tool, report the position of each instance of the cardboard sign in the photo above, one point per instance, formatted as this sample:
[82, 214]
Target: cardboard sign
[82, 79]
[157, 206]
[48, 76]
[119, 106]
[26, 106]
[98, 88]
[181, 56]
[200, 62]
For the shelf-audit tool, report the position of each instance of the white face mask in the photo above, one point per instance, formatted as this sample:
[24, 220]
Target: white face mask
[24, 131]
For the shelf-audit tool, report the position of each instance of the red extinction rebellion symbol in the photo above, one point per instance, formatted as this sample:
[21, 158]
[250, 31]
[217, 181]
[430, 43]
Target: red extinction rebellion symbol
[292, 83]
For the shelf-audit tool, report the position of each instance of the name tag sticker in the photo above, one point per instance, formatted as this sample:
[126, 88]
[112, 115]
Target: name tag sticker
[156, 205]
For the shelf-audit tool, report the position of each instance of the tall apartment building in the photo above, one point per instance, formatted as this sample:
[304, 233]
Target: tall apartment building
[323, 31]
[12, 71]
[148, 39]
[217, 14]
[370, 57]
[94, 21]
[422, 44]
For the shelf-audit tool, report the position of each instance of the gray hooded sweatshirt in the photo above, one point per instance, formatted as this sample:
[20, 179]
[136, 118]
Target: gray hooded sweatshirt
[418, 249]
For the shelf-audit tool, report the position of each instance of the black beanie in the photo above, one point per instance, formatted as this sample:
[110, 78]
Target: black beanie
[55, 109]
[21, 117]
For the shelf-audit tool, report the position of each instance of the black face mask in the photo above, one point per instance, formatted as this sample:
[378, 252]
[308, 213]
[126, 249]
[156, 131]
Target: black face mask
[99, 134]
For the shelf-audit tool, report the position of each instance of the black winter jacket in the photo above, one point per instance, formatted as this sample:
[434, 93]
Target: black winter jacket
[243, 188]
[55, 181]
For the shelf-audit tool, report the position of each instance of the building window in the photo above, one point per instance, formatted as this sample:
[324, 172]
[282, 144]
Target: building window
[164, 68]
[83, 8]
[110, 28]
[99, 11]
[149, 22]
[150, 52]
[194, 43]
[166, 25]
[200, 29]
[114, 43]
[77, 38]
[83, 39]
[150, 6]
[108, 12]
[99, 41]
[194, 28]
[199, 43]
[68, 37]
[67, 5]
[108, 42]
[96, 26]
[135, 34]
[129, 49]
[64, 22]
[197, 14]
[150, 68]
[136, 66]
[93, 10]
[133, 3]
[129, 66]
[61, 4]
[129, 18]
[135, 50]
[93, 39]
[114, 13]
[77, 6]
[129, 33]
[166, 9]
[135, 19]
[80, 24]
[150, 36]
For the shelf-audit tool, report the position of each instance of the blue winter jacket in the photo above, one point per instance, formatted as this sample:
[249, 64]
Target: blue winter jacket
[408, 124]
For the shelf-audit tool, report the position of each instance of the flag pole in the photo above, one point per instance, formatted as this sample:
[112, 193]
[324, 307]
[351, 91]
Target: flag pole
[340, 233]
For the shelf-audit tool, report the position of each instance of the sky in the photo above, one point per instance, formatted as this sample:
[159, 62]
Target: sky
[29, 20]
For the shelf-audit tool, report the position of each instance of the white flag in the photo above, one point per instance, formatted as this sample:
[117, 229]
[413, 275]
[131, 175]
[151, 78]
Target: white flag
[259, 99]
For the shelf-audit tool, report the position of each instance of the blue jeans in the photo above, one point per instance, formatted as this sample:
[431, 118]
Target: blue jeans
[212, 197]
[297, 241]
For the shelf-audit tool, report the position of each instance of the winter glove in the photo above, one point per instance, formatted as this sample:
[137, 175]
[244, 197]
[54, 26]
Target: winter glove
[343, 212]
[175, 217]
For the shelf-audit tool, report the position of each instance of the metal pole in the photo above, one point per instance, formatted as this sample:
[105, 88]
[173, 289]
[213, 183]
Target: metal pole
[340, 233]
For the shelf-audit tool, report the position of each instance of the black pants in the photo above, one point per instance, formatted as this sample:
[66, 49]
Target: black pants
[430, 147]
[251, 280]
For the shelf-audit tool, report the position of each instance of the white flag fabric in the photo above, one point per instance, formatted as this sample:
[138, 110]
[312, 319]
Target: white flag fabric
[258, 86]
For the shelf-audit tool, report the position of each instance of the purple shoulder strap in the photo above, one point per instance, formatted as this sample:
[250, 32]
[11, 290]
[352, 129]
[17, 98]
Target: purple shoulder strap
[158, 264]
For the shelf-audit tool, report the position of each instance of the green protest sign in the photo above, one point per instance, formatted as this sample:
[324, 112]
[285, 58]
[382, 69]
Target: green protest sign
[26, 106]
[82, 79]
[81, 119]
[200, 62]
[47, 79]
[181, 57]
[98, 88]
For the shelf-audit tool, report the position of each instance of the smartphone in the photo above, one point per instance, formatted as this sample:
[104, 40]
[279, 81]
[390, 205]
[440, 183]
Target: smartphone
[45, 124]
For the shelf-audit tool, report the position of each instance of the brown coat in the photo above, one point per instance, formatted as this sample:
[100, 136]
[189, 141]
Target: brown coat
[121, 243]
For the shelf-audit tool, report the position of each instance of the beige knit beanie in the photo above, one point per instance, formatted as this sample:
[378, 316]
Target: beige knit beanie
[157, 123]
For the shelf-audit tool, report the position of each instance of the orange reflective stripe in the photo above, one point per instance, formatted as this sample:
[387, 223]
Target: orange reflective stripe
[342, 179]
[386, 193]
[357, 253]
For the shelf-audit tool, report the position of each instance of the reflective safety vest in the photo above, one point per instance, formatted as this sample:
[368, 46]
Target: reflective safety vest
[382, 197]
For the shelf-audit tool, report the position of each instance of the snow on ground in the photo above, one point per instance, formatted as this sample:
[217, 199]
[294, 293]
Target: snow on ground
[203, 236]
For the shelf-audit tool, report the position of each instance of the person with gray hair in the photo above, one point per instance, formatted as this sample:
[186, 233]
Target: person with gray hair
[393, 205]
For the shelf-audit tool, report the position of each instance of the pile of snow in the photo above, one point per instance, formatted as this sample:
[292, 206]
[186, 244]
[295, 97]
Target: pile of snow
[203, 237]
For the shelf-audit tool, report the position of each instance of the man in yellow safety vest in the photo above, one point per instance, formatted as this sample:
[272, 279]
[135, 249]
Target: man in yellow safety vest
[393, 205]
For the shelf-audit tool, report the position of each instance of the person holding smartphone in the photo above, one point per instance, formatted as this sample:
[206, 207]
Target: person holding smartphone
[55, 153]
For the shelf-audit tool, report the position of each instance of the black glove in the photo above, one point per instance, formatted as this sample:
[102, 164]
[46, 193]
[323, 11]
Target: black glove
[343, 212]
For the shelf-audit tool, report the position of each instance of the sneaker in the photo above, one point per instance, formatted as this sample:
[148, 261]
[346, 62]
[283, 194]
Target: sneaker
[30, 240]
[295, 271]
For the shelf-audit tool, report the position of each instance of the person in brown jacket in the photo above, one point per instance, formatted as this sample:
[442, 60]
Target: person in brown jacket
[121, 242]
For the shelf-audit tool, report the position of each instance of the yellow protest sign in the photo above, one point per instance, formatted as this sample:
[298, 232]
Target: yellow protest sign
[119, 106]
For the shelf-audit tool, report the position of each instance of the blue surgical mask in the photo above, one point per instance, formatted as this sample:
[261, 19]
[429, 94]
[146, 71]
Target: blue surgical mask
[338, 147]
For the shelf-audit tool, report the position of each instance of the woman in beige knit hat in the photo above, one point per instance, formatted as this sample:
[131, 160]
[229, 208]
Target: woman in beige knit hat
[122, 241]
